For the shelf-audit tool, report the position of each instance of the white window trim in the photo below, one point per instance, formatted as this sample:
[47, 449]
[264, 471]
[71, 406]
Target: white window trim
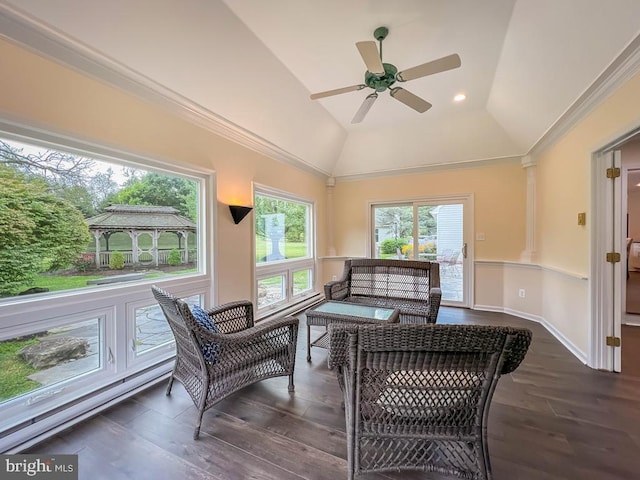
[26, 314]
[286, 267]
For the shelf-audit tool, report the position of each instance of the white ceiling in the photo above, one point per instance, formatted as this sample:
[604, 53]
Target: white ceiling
[253, 63]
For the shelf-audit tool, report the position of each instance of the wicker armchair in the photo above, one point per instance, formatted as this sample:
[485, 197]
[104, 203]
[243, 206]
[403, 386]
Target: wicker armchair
[417, 396]
[244, 353]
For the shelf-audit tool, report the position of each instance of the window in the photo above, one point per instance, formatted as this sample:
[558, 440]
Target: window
[73, 221]
[86, 232]
[285, 260]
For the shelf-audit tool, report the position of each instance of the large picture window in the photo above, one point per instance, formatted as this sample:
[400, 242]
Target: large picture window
[71, 221]
[284, 245]
[86, 231]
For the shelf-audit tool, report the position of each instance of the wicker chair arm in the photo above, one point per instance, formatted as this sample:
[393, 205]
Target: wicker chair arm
[435, 297]
[255, 333]
[517, 350]
[336, 289]
[339, 344]
[233, 316]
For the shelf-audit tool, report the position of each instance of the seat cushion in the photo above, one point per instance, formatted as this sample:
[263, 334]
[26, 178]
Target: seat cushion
[209, 349]
[417, 393]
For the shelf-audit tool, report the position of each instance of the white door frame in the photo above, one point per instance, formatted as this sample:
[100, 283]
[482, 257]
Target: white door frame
[468, 236]
[606, 236]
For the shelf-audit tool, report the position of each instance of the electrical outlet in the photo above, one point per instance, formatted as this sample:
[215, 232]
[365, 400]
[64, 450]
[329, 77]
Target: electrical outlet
[522, 293]
[334, 278]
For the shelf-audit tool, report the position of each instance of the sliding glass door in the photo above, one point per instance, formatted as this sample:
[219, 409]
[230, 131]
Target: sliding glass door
[435, 230]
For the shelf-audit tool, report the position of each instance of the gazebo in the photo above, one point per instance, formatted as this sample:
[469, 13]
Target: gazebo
[137, 220]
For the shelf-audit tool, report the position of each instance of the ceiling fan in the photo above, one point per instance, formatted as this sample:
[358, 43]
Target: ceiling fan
[381, 76]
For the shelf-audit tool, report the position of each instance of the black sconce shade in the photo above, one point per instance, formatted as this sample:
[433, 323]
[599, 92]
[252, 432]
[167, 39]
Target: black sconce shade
[238, 212]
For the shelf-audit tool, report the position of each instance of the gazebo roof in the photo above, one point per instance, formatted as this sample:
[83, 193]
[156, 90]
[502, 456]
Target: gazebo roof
[140, 217]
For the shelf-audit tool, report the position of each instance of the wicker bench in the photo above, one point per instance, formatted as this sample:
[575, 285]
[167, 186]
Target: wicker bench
[413, 287]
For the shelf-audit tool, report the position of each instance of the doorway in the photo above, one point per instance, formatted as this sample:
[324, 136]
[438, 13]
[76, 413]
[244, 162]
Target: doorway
[433, 229]
[615, 338]
[630, 329]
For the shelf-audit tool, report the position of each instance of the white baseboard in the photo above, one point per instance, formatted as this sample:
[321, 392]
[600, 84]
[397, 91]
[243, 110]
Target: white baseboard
[568, 344]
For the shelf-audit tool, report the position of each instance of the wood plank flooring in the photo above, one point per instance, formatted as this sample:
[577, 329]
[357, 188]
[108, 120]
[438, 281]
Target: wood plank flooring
[553, 418]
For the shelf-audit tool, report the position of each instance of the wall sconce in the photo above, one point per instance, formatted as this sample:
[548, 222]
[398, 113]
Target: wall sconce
[238, 212]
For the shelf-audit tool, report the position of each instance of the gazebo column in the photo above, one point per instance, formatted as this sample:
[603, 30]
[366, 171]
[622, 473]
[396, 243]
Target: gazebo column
[184, 234]
[96, 235]
[154, 248]
[135, 252]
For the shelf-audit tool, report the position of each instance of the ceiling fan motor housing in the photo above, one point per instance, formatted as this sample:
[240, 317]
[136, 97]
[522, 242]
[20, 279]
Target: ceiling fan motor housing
[381, 83]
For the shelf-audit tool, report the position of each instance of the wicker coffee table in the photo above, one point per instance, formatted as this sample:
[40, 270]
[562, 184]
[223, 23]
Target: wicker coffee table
[333, 311]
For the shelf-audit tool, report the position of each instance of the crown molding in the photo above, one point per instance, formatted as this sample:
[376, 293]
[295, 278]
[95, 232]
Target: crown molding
[625, 66]
[429, 168]
[27, 32]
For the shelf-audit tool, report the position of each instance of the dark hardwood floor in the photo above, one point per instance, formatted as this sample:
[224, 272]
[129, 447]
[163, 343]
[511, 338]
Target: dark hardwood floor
[553, 418]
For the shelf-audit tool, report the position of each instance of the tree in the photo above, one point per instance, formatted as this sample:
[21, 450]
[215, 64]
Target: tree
[79, 197]
[295, 217]
[40, 231]
[161, 190]
[101, 186]
[57, 168]
[397, 220]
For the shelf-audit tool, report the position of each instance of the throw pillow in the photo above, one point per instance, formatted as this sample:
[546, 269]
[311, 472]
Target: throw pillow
[210, 350]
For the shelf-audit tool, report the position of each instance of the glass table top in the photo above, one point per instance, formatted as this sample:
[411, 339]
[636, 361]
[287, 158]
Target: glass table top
[355, 310]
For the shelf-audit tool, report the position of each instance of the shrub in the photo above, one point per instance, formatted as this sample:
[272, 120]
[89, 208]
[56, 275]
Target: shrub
[84, 262]
[391, 245]
[116, 261]
[174, 259]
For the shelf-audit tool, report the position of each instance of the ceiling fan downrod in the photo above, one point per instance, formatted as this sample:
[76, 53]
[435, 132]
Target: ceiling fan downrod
[380, 34]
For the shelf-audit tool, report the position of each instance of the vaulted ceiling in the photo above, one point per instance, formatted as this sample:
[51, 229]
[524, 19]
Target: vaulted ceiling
[249, 66]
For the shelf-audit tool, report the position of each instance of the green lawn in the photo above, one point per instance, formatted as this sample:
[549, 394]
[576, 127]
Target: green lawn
[300, 280]
[13, 380]
[291, 249]
[56, 283]
[63, 282]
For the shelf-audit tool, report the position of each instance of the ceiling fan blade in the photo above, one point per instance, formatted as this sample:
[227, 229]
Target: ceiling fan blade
[369, 53]
[364, 108]
[337, 91]
[436, 66]
[409, 99]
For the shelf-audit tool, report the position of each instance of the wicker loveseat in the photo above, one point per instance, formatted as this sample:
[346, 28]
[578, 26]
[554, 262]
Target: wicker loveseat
[413, 287]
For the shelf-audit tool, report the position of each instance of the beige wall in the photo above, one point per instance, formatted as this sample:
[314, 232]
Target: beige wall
[499, 204]
[563, 180]
[563, 190]
[41, 93]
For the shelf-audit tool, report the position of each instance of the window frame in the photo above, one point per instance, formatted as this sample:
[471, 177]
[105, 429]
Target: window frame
[286, 267]
[113, 304]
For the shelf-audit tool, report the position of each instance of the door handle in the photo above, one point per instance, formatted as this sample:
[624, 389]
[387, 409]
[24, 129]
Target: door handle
[464, 250]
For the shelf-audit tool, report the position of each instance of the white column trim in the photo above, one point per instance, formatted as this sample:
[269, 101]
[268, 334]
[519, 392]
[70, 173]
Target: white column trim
[529, 253]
